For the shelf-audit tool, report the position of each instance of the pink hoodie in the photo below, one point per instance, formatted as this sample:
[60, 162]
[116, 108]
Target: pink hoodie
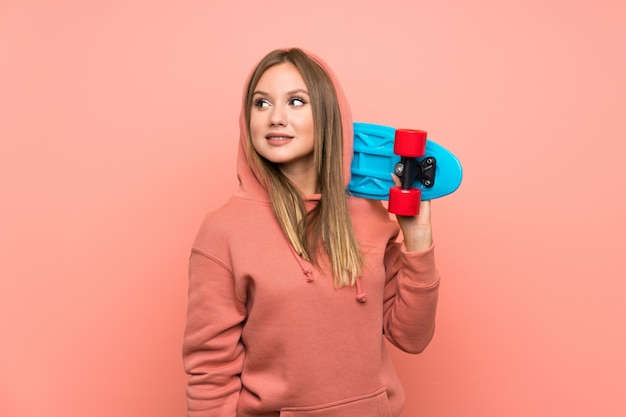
[267, 334]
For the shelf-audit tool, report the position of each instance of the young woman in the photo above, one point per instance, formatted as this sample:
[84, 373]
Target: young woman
[294, 284]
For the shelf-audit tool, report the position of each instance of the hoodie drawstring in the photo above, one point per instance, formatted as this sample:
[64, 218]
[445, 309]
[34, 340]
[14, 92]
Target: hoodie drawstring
[309, 275]
[360, 295]
[307, 270]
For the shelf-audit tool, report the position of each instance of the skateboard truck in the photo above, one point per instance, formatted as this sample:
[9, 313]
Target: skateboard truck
[410, 145]
[410, 169]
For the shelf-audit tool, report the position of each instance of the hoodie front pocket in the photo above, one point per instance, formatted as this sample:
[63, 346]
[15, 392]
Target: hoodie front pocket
[375, 404]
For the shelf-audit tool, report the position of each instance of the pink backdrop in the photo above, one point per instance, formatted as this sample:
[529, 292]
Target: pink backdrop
[118, 129]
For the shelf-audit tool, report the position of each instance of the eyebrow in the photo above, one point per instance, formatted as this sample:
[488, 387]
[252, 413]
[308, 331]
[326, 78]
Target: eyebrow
[289, 93]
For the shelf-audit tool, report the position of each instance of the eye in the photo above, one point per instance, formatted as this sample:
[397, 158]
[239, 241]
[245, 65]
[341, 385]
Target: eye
[297, 101]
[261, 103]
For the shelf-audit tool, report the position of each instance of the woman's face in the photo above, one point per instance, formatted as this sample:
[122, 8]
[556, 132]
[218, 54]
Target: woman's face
[281, 120]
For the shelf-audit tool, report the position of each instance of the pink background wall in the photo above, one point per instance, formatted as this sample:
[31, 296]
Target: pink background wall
[118, 128]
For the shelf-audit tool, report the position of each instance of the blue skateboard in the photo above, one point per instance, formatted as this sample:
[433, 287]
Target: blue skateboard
[426, 169]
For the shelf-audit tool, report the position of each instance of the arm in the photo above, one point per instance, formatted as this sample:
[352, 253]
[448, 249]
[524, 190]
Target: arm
[212, 350]
[411, 286]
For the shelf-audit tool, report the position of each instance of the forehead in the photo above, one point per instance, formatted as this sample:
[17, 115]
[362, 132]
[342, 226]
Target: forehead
[281, 78]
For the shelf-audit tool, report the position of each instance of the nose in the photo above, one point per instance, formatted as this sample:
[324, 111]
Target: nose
[278, 117]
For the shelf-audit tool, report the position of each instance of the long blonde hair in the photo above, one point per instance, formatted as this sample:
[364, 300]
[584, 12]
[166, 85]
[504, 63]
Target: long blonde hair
[329, 222]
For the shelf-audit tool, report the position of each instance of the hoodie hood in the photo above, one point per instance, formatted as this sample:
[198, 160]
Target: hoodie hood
[251, 185]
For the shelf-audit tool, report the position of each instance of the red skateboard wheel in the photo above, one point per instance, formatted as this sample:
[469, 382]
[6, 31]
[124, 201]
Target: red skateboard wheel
[404, 202]
[409, 142]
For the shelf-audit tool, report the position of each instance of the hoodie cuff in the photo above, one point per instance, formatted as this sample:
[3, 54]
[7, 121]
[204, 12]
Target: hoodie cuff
[419, 269]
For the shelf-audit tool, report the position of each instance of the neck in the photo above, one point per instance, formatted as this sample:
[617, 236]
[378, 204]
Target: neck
[305, 181]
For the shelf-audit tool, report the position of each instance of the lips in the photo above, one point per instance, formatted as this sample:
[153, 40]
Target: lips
[278, 138]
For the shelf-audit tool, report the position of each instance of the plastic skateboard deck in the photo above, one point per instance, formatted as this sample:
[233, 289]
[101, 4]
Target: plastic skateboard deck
[374, 161]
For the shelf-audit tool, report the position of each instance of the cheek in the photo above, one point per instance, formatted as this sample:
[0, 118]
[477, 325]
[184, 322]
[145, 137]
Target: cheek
[305, 124]
[255, 125]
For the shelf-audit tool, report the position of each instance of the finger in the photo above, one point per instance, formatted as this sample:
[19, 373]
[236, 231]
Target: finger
[396, 180]
[423, 217]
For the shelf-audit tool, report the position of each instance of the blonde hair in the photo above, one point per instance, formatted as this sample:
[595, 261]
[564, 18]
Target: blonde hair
[329, 222]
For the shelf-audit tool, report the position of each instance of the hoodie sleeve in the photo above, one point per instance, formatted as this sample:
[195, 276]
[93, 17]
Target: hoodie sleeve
[410, 297]
[212, 351]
